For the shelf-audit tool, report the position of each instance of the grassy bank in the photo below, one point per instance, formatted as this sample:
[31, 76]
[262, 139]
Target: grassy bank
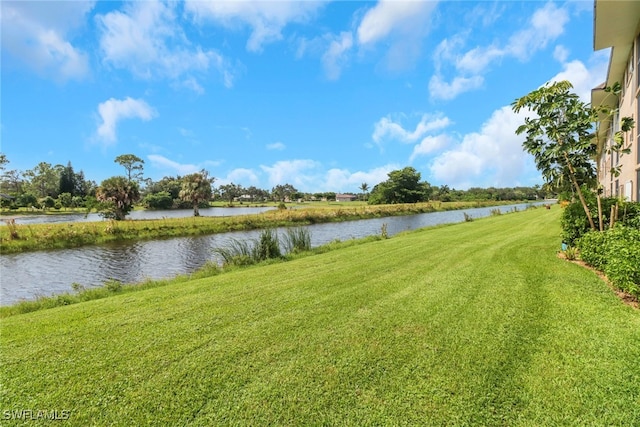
[477, 323]
[30, 237]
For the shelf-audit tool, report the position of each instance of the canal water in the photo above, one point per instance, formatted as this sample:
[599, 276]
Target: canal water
[26, 276]
[142, 214]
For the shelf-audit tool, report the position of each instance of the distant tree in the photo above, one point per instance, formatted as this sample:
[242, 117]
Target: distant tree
[77, 201]
[65, 199]
[84, 187]
[27, 200]
[364, 187]
[68, 183]
[10, 180]
[48, 202]
[229, 192]
[196, 188]
[171, 185]
[44, 179]
[117, 195]
[160, 200]
[3, 163]
[283, 192]
[257, 194]
[403, 186]
[133, 164]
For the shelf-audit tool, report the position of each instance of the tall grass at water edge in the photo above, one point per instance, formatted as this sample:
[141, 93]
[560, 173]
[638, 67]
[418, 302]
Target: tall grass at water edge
[31, 237]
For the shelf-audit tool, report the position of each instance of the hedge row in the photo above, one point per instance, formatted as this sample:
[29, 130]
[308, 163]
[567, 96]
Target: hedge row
[616, 252]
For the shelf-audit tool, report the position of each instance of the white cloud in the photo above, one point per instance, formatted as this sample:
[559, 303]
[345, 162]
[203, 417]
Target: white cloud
[36, 34]
[114, 110]
[390, 16]
[146, 39]
[430, 144]
[241, 176]
[389, 128]
[335, 58]
[341, 180]
[582, 78]
[491, 157]
[267, 19]
[403, 23]
[546, 24]
[161, 162]
[476, 60]
[299, 173]
[192, 84]
[276, 146]
[439, 89]
[560, 53]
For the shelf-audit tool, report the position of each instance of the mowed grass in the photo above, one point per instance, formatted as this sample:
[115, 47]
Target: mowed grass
[477, 323]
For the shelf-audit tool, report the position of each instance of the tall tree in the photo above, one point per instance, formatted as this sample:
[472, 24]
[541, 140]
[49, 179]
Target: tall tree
[282, 192]
[10, 180]
[196, 188]
[118, 194]
[230, 191]
[561, 137]
[68, 182]
[364, 187]
[133, 164]
[403, 186]
[44, 179]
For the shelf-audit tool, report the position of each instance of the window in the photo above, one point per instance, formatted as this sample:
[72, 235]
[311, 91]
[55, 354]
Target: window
[638, 185]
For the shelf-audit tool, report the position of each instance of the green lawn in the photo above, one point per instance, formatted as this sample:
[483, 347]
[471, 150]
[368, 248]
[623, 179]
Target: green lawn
[477, 323]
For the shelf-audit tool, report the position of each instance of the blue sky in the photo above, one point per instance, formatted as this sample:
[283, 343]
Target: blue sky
[321, 95]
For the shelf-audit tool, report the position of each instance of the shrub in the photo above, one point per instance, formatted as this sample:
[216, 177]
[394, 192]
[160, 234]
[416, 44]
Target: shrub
[571, 253]
[616, 252]
[575, 223]
[160, 200]
[623, 261]
[593, 250]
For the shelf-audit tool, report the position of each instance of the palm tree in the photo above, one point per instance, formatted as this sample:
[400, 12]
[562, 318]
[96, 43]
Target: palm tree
[119, 194]
[196, 188]
[364, 187]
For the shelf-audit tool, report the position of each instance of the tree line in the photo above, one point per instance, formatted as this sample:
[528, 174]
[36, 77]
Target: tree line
[49, 186]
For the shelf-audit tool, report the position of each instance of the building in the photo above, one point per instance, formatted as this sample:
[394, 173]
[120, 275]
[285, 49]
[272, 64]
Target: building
[345, 197]
[616, 25]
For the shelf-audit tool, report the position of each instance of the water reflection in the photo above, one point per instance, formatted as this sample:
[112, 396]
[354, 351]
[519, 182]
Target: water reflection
[143, 214]
[28, 275]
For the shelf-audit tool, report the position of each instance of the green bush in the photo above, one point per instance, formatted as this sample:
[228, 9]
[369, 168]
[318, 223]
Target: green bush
[593, 250]
[623, 262]
[575, 224]
[617, 253]
[160, 200]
